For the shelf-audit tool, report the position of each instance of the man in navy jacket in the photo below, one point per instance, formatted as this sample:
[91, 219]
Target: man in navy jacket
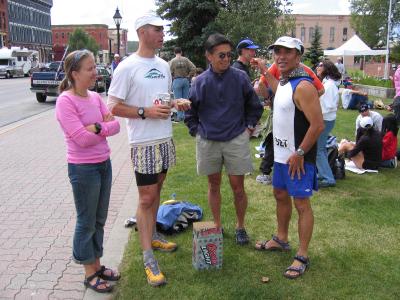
[224, 111]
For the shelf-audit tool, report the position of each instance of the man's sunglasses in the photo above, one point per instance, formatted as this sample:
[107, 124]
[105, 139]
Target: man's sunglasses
[222, 55]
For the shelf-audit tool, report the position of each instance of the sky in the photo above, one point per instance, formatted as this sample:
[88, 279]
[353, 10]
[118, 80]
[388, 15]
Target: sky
[101, 11]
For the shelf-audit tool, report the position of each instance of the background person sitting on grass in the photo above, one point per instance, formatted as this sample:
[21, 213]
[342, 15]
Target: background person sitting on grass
[352, 98]
[389, 141]
[375, 116]
[366, 153]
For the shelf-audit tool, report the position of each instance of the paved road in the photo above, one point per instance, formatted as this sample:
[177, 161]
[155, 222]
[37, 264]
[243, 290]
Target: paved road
[37, 214]
[17, 102]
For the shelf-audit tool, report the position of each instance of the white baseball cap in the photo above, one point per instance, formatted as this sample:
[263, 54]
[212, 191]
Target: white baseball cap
[288, 42]
[366, 122]
[149, 18]
[116, 55]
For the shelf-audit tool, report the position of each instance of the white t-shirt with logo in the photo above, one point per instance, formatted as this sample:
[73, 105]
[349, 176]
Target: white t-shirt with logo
[137, 81]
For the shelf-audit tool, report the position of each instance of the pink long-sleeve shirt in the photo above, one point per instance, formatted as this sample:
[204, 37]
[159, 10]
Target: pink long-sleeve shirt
[74, 113]
[396, 80]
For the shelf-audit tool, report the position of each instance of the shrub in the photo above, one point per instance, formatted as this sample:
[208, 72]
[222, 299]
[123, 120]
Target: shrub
[358, 76]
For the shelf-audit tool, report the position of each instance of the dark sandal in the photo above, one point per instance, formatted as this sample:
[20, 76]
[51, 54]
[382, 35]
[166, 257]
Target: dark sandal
[112, 277]
[283, 246]
[299, 269]
[95, 287]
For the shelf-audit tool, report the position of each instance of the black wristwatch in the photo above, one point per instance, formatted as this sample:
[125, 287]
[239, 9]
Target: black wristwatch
[98, 127]
[140, 112]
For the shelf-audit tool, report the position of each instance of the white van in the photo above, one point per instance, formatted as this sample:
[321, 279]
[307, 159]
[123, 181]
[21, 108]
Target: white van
[16, 61]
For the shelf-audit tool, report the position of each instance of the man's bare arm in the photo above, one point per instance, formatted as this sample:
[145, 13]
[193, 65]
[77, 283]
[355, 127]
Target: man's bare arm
[306, 99]
[120, 109]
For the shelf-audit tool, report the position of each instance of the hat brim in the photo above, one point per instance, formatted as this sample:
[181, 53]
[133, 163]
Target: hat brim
[270, 47]
[251, 47]
[158, 23]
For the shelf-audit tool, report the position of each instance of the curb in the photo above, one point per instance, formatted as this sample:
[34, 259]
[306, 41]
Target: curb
[119, 237]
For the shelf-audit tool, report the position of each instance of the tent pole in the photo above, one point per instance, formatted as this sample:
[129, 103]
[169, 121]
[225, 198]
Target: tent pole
[364, 65]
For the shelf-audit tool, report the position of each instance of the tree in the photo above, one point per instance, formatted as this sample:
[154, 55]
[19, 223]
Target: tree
[369, 19]
[395, 52]
[191, 23]
[261, 20]
[79, 39]
[194, 20]
[315, 52]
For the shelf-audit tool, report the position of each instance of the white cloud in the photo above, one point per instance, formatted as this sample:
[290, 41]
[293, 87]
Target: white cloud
[331, 7]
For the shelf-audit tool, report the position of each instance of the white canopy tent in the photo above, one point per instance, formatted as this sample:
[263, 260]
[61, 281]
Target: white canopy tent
[354, 46]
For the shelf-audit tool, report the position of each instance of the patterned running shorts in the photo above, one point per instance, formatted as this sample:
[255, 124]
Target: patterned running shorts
[153, 159]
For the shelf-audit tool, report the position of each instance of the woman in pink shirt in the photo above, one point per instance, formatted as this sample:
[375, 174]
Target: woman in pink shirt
[86, 122]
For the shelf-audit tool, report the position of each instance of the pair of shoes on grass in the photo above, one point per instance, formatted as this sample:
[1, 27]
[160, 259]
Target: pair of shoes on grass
[264, 179]
[295, 270]
[153, 273]
[324, 184]
[160, 243]
[241, 236]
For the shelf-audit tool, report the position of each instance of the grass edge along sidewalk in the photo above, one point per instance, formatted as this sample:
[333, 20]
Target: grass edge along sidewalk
[354, 249]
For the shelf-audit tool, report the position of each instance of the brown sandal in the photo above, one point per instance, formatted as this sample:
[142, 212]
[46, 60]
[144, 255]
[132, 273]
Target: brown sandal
[283, 246]
[95, 287]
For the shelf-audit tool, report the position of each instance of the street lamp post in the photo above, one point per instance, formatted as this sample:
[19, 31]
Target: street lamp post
[117, 19]
[386, 74]
[109, 51]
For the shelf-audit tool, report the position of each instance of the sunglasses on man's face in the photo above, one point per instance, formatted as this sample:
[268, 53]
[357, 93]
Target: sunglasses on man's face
[222, 55]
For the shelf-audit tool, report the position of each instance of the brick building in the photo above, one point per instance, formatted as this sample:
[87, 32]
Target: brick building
[29, 25]
[335, 29]
[3, 23]
[104, 38]
[123, 38]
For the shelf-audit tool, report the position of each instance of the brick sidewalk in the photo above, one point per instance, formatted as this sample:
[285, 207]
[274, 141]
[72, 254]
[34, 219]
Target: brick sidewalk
[37, 213]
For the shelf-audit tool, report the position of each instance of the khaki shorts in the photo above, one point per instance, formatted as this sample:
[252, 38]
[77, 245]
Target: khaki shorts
[234, 155]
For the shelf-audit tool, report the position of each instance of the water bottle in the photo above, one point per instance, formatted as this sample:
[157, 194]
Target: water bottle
[339, 169]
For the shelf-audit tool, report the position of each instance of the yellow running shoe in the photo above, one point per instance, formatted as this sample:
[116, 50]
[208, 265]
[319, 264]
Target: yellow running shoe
[159, 243]
[153, 273]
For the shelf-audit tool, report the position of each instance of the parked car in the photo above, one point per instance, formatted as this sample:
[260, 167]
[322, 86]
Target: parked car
[103, 80]
[45, 84]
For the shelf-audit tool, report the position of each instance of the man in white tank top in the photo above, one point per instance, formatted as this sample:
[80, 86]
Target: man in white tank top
[297, 124]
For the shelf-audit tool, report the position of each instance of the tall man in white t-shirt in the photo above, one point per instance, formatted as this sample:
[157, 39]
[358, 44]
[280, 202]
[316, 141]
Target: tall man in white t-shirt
[135, 95]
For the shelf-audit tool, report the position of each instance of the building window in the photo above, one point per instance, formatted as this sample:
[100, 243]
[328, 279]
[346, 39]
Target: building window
[56, 35]
[303, 34]
[62, 35]
[311, 34]
[345, 34]
[332, 35]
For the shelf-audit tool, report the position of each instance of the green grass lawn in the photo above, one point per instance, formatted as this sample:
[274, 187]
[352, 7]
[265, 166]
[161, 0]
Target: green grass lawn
[354, 251]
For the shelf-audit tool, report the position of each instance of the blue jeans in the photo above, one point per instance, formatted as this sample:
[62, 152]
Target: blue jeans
[180, 87]
[324, 170]
[91, 186]
[356, 100]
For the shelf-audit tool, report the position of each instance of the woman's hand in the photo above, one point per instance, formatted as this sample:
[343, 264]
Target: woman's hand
[108, 117]
[91, 128]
